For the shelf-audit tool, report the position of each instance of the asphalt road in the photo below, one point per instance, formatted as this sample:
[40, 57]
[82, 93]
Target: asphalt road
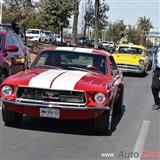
[137, 130]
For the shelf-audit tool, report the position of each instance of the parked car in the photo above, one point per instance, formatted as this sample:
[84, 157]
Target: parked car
[108, 44]
[66, 83]
[132, 58]
[36, 35]
[83, 40]
[13, 54]
[68, 40]
[50, 37]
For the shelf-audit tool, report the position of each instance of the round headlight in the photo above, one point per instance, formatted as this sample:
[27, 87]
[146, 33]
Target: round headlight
[100, 98]
[7, 90]
[141, 62]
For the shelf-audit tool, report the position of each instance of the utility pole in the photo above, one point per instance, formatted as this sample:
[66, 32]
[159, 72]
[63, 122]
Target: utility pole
[97, 4]
[75, 23]
[1, 12]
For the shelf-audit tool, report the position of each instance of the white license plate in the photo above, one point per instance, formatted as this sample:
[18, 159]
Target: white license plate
[50, 112]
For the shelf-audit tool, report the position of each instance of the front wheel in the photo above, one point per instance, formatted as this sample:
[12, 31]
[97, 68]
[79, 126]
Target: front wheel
[10, 117]
[119, 102]
[103, 124]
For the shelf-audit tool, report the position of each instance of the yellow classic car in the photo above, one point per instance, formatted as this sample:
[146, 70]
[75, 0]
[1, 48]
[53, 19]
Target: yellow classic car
[132, 58]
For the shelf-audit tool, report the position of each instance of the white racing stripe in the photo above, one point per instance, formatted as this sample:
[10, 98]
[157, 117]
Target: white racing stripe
[44, 80]
[68, 80]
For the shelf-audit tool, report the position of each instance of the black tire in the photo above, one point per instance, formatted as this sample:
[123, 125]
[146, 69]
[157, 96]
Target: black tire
[102, 125]
[119, 102]
[10, 117]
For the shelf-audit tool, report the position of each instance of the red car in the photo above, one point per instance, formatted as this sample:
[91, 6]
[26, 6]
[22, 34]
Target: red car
[12, 54]
[66, 83]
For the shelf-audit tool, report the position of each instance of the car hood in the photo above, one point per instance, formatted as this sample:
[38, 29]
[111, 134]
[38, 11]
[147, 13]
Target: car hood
[60, 80]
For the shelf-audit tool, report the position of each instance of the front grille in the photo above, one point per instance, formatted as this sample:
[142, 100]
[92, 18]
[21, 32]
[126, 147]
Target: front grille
[49, 95]
[127, 66]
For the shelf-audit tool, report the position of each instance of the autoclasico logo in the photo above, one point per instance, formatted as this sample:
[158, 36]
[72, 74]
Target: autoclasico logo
[147, 154]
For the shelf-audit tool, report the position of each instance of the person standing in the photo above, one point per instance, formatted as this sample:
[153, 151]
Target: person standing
[156, 81]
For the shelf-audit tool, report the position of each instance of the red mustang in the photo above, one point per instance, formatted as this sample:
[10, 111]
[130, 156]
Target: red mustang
[66, 83]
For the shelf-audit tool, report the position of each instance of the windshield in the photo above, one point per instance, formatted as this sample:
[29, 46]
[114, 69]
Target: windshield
[71, 61]
[130, 50]
[33, 32]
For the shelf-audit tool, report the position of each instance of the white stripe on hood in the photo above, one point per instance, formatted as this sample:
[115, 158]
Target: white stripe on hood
[44, 80]
[68, 80]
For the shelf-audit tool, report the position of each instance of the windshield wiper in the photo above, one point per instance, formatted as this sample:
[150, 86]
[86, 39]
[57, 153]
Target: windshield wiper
[48, 66]
[78, 68]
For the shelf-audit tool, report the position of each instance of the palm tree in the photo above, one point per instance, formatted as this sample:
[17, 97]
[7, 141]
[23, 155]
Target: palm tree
[75, 22]
[97, 4]
[144, 26]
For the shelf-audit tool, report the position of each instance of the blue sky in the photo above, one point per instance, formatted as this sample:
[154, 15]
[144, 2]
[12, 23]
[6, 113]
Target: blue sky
[130, 10]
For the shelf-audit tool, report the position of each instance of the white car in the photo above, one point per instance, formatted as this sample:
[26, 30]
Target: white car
[108, 44]
[36, 35]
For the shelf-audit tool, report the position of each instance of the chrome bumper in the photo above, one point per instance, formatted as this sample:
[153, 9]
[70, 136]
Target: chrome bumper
[130, 68]
[49, 105]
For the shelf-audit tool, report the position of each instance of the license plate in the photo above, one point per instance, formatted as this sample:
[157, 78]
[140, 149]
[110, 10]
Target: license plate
[50, 112]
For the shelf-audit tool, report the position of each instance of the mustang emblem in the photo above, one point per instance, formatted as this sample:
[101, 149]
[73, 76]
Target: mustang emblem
[50, 95]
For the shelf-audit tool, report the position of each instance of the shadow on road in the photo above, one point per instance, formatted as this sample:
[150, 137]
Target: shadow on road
[76, 127]
[136, 75]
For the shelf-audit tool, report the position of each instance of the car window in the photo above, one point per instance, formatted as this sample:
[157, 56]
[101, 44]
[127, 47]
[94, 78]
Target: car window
[16, 41]
[114, 69]
[130, 50]
[113, 64]
[9, 41]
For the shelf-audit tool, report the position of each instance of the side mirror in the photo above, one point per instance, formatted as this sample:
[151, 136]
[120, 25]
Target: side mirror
[114, 72]
[12, 49]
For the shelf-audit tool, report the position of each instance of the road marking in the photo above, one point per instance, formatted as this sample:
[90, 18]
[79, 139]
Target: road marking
[139, 146]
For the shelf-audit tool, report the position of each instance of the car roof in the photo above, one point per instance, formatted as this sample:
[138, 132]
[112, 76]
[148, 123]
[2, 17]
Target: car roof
[131, 45]
[80, 50]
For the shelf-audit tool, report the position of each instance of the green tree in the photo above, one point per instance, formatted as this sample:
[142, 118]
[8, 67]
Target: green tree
[19, 11]
[95, 17]
[133, 35]
[56, 13]
[115, 31]
[144, 26]
[89, 17]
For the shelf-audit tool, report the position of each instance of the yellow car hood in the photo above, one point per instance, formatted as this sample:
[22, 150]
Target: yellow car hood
[128, 58]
